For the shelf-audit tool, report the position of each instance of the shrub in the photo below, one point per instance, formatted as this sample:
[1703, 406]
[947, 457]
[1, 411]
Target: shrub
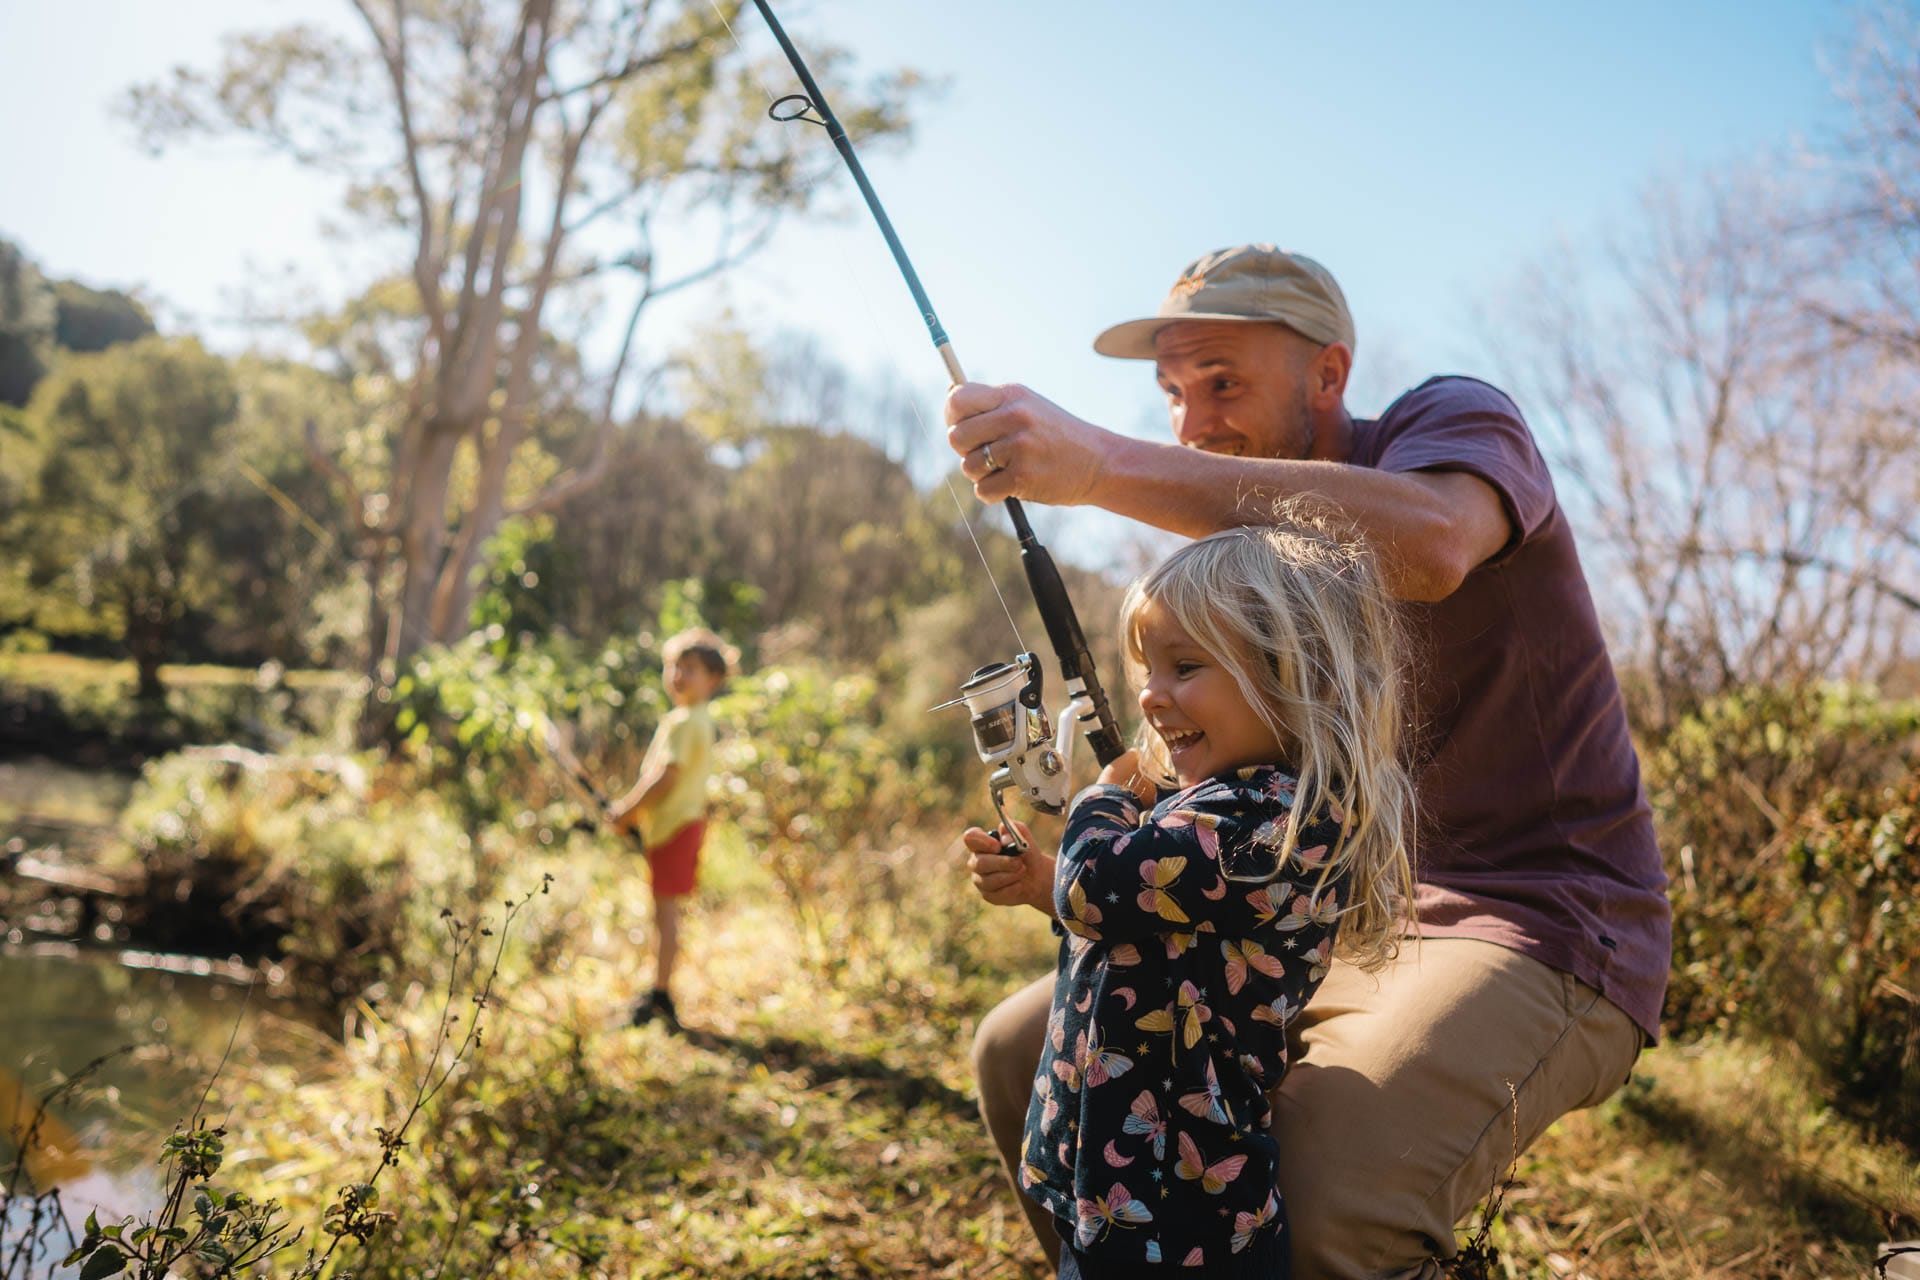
[341, 870]
[1846, 983]
[1787, 820]
[811, 781]
[473, 714]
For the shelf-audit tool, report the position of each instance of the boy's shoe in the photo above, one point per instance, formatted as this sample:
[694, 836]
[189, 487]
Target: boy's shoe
[655, 1004]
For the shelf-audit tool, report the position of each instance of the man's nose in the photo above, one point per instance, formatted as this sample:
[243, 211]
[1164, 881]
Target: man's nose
[1192, 424]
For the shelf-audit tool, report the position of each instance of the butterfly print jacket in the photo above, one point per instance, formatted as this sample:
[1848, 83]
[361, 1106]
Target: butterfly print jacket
[1191, 937]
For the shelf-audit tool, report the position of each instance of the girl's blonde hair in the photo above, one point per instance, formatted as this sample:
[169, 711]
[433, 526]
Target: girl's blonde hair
[1297, 613]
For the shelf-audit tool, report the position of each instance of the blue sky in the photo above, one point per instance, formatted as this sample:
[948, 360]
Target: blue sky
[1081, 153]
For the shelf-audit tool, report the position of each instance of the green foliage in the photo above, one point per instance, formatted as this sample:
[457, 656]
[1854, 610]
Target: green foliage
[217, 1233]
[475, 714]
[699, 123]
[28, 314]
[1788, 823]
[121, 446]
[825, 797]
[40, 317]
[511, 605]
[338, 866]
[165, 502]
[63, 705]
[281, 534]
[95, 319]
[729, 607]
[1848, 982]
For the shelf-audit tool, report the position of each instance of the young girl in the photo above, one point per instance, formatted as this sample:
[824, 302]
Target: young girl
[1200, 887]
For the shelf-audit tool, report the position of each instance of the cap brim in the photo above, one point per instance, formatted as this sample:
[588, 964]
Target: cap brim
[1133, 339]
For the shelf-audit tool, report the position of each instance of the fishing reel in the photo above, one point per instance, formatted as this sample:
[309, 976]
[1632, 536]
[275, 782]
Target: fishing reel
[1012, 735]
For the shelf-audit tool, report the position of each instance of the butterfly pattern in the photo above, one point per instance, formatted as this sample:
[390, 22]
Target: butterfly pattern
[1191, 936]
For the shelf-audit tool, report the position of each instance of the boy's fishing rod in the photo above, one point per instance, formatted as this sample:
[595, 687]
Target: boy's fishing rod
[550, 746]
[1009, 722]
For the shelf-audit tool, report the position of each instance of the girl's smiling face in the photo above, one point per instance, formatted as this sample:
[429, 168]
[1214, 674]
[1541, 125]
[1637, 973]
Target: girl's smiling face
[1195, 704]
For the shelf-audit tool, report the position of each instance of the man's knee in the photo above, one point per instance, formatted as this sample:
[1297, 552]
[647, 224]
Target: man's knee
[992, 1045]
[1006, 1052]
[1406, 1104]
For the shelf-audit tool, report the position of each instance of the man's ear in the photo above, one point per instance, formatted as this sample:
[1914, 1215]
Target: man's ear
[1327, 378]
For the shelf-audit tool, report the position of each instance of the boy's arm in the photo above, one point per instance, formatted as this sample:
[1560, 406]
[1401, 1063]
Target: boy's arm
[676, 737]
[647, 792]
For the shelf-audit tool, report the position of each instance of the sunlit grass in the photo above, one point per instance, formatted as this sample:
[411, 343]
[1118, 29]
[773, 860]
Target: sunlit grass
[66, 670]
[808, 1124]
[40, 797]
[1720, 1158]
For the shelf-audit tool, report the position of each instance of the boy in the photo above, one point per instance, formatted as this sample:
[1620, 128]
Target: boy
[669, 802]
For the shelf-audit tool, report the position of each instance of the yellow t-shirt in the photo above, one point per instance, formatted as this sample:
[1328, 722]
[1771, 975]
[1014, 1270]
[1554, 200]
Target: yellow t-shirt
[684, 738]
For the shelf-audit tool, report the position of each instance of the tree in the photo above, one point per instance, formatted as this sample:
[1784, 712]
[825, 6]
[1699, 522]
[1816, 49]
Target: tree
[284, 569]
[28, 314]
[512, 152]
[1719, 452]
[94, 319]
[39, 316]
[1730, 388]
[123, 467]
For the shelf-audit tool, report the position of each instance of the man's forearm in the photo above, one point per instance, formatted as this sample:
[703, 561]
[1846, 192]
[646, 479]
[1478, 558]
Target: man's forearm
[1409, 518]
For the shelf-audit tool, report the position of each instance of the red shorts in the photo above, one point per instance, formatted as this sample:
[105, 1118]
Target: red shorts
[675, 863]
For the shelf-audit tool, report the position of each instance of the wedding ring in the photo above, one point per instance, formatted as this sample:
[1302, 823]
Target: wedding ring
[986, 451]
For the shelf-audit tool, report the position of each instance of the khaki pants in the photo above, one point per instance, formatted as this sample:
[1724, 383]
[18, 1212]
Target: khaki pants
[1397, 1116]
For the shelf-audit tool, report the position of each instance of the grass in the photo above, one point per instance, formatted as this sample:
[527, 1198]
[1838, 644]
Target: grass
[44, 798]
[807, 1125]
[816, 1119]
[795, 1128]
[70, 671]
[1720, 1158]
[819, 1122]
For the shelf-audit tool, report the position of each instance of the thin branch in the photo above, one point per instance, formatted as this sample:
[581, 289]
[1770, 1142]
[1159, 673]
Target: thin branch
[331, 470]
[631, 67]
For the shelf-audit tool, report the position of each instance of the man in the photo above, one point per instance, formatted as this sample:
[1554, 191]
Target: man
[1544, 934]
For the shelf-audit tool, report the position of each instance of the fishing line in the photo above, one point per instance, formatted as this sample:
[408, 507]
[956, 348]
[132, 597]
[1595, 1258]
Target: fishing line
[1088, 704]
[866, 302]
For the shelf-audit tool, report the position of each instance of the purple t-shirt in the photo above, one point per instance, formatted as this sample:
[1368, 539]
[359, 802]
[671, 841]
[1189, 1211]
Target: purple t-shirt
[1536, 832]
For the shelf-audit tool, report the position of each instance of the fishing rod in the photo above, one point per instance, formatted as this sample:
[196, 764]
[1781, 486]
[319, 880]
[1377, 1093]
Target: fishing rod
[550, 746]
[1010, 726]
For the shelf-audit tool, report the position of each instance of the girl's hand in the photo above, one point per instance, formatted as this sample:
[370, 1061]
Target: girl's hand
[1009, 880]
[1125, 772]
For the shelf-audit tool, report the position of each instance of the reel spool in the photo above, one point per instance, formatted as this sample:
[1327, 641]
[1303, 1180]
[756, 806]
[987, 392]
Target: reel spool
[1012, 735]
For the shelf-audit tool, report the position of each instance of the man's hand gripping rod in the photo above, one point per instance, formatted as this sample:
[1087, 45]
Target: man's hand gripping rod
[1005, 695]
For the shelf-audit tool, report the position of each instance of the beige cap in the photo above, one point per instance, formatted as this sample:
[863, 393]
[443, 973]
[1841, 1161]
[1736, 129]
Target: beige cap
[1254, 282]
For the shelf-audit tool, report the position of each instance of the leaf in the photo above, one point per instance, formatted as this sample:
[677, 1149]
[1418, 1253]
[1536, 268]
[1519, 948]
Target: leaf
[105, 1262]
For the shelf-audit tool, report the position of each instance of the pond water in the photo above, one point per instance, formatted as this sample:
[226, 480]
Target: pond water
[145, 1042]
[153, 1036]
[144, 1032]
